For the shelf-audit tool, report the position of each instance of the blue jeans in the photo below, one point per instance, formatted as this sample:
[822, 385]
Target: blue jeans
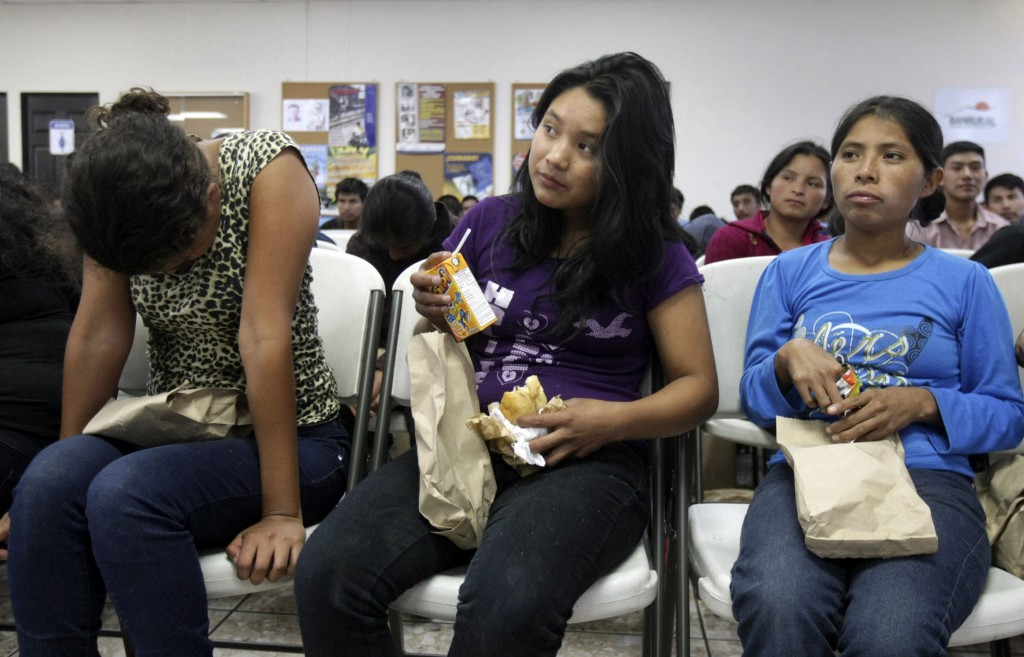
[790, 602]
[16, 451]
[549, 537]
[94, 516]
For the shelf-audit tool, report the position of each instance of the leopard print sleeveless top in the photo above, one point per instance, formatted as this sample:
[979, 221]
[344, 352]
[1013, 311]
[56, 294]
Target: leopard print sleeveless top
[193, 317]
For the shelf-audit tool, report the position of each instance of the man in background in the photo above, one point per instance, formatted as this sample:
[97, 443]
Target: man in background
[746, 201]
[349, 195]
[1004, 195]
[965, 223]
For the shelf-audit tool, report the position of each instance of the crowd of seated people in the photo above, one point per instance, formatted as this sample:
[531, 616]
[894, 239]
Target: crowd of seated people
[566, 254]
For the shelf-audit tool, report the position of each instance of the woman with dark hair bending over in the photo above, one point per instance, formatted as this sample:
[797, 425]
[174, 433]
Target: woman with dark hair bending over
[797, 192]
[401, 225]
[930, 338]
[589, 277]
[210, 243]
[39, 290]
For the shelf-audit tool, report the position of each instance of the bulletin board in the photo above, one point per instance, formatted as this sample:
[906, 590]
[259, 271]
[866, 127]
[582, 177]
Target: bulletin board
[335, 125]
[525, 96]
[445, 132]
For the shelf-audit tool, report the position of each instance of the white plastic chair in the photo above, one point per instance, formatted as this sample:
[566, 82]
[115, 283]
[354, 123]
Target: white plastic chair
[714, 545]
[962, 253]
[340, 236]
[728, 293]
[346, 288]
[1010, 281]
[135, 373]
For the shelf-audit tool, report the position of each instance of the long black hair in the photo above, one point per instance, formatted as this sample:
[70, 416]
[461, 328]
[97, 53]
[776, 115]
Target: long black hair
[630, 219]
[923, 132]
[34, 239]
[136, 190]
[400, 211]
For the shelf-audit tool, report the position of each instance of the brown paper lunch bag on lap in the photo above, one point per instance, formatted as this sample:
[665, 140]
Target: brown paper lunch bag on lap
[1001, 491]
[457, 482]
[855, 500]
[178, 416]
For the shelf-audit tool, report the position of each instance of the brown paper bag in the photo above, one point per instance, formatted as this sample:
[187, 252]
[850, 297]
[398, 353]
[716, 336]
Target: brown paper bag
[855, 499]
[1001, 491]
[457, 483]
[179, 416]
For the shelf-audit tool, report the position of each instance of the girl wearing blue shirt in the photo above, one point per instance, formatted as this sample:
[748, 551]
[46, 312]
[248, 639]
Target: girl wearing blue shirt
[930, 338]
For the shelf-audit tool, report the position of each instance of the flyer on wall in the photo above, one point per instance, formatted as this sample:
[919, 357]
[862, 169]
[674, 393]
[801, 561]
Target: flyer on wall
[316, 161]
[421, 117]
[472, 114]
[518, 160]
[352, 138]
[525, 102]
[468, 174]
[304, 115]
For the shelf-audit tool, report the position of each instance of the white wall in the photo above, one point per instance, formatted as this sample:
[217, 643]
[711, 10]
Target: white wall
[748, 76]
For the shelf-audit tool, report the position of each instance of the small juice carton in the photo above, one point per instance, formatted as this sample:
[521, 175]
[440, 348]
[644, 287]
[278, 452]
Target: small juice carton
[469, 313]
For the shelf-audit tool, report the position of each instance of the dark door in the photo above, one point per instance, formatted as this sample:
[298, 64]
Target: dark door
[37, 110]
[4, 143]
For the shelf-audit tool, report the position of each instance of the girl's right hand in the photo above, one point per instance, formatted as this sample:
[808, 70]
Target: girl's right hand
[803, 365]
[5, 532]
[430, 305]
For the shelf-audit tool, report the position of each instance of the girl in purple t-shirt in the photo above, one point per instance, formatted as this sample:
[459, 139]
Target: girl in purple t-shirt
[588, 275]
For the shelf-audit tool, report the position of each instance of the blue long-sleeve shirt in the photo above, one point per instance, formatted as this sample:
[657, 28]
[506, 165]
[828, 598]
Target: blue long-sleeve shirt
[938, 323]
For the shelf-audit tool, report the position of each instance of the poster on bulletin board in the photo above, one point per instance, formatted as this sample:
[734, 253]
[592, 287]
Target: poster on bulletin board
[468, 174]
[421, 117]
[352, 136]
[316, 161]
[525, 97]
[335, 126]
[304, 114]
[473, 114]
[445, 133]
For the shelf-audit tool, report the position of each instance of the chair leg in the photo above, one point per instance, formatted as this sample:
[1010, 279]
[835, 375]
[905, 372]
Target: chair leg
[697, 458]
[999, 648]
[397, 635]
[684, 485]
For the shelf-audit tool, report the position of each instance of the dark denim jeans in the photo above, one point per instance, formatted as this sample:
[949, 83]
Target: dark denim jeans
[790, 602]
[549, 537]
[16, 451]
[94, 516]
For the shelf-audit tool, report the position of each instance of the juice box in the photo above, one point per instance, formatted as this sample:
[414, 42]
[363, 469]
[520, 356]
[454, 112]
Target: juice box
[469, 313]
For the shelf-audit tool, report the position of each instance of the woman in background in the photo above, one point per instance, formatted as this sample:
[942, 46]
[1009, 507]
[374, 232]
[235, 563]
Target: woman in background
[797, 192]
[401, 225]
[39, 290]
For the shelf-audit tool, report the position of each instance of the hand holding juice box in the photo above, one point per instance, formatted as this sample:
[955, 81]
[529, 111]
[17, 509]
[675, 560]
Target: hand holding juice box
[469, 312]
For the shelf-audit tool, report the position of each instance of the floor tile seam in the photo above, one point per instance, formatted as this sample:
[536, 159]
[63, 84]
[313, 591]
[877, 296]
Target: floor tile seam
[216, 626]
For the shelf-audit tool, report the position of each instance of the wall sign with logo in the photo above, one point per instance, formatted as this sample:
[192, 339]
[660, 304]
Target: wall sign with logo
[978, 115]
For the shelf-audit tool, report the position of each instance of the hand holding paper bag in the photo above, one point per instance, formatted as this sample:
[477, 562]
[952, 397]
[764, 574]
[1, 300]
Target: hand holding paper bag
[855, 499]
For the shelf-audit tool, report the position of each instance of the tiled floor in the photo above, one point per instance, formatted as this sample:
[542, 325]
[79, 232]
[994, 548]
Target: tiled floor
[270, 619]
